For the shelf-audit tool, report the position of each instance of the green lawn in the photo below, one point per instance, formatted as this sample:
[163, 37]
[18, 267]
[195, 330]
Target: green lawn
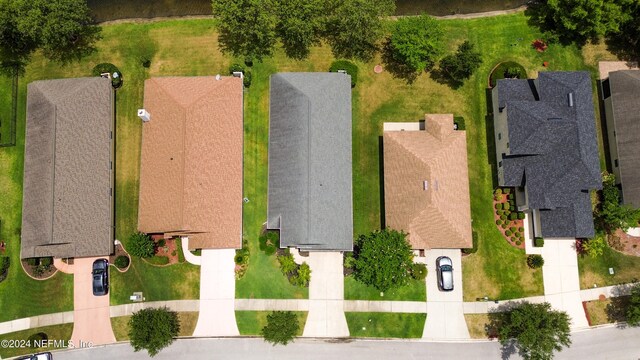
[188, 321]
[385, 325]
[60, 333]
[355, 290]
[595, 271]
[252, 322]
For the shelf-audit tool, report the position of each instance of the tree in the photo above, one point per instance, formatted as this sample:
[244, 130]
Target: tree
[281, 327]
[62, 29]
[247, 28]
[626, 42]
[153, 329]
[538, 330]
[416, 42]
[354, 27]
[383, 259]
[461, 65]
[633, 309]
[535, 261]
[610, 215]
[578, 20]
[141, 245]
[299, 25]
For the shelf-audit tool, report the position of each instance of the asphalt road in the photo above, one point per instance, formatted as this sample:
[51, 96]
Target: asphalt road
[604, 343]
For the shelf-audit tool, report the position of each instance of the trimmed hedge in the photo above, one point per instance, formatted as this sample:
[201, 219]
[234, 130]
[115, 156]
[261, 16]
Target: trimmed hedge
[507, 232]
[520, 216]
[474, 238]
[538, 242]
[498, 191]
[507, 191]
[349, 67]
[513, 216]
[121, 262]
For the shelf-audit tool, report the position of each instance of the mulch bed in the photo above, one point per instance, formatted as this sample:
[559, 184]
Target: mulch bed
[512, 240]
[629, 245]
[31, 271]
[169, 250]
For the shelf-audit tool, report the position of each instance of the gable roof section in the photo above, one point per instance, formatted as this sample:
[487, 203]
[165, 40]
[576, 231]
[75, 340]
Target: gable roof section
[625, 101]
[191, 164]
[440, 216]
[310, 182]
[553, 149]
[67, 196]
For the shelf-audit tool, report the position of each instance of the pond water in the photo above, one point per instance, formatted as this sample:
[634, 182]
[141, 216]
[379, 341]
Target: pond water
[105, 10]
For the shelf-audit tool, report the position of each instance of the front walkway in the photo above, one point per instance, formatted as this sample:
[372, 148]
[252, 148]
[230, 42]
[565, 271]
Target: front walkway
[188, 255]
[562, 280]
[91, 316]
[326, 296]
[445, 312]
[217, 294]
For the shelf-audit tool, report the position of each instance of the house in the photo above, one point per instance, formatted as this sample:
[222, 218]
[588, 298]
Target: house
[547, 150]
[621, 92]
[191, 161]
[426, 183]
[67, 208]
[310, 189]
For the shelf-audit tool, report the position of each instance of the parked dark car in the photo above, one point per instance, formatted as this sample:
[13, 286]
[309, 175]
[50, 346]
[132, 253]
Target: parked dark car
[444, 268]
[100, 277]
[39, 356]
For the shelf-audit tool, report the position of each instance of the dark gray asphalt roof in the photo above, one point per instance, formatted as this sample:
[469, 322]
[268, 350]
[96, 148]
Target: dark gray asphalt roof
[625, 100]
[553, 148]
[67, 202]
[310, 176]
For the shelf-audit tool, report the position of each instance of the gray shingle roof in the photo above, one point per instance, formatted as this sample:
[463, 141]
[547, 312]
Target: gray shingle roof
[553, 148]
[625, 101]
[67, 199]
[310, 182]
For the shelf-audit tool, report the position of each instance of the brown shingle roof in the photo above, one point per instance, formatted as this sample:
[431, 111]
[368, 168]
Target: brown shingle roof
[191, 166]
[67, 199]
[440, 216]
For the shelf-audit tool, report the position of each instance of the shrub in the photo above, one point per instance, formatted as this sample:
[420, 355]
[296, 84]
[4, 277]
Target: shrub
[503, 217]
[595, 247]
[303, 277]
[281, 327]
[518, 242]
[520, 216]
[349, 260]
[240, 259]
[498, 222]
[535, 261]
[121, 262]
[153, 329]
[513, 229]
[162, 243]
[349, 67]
[538, 242]
[512, 208]
[504, 225]
[498, 206]
[500, 212]
[32, 261]
[287, 264]
[235, 68]
[141, 245]
[248, 61]
[507, 232]
[521, 229]
[36, 338]
[510, 196]
[246, 80]
[498, 191]
[512, 203]
[474, 242]
[46, 262]
[459, 122]
[507, 191]
[269, 242]
[419, 271]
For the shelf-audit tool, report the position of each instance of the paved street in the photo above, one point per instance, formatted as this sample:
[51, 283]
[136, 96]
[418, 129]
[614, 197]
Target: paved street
[605, 343]
[445, 316]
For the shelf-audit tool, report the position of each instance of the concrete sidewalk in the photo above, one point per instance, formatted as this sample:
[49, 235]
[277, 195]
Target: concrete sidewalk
[188, 255]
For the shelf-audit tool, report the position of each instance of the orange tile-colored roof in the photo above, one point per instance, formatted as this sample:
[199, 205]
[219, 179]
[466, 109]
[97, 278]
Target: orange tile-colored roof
[440, 216]
[191, 166]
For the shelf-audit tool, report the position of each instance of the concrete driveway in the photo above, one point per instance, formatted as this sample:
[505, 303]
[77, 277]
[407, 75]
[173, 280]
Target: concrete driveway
[561, 279]
[326, 296]
[445, 316]
[91, 319]
[217, 294]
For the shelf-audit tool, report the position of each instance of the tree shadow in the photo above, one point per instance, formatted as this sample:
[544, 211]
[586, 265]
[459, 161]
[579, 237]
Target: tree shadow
[381, 176]
[396, 68]
[538, 16]
[603, 127]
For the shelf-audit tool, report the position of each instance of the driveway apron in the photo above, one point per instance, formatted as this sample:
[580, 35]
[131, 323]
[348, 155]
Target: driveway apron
[445, 315]
[91, 317]
[217, 294]
[561, 279]
[326, 296]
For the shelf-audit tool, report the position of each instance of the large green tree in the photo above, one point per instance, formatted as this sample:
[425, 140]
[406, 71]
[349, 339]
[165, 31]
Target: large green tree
[416, 42]
[633, 310]
[246, 27]
[299, 25]
[62, 29]
[383, 259]
[579, 20]
[538, 330]
[281, 327]
[461, 65]
[153, 329]
[626, 42]
[353, 28]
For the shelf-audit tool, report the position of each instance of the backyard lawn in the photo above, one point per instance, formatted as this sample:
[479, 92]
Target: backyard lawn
[385, 325]
[60, 333]
[252, 322]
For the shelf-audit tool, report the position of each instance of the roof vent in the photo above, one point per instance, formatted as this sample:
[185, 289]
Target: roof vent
[218, 77]
[144, 115]
[425, 185]
[570, 99]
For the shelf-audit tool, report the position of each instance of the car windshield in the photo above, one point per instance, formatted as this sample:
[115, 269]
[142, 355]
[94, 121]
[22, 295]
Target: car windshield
[446, 268]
